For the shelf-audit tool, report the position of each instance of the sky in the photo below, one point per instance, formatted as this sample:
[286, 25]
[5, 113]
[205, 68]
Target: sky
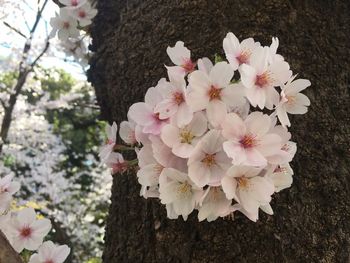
[21, 15]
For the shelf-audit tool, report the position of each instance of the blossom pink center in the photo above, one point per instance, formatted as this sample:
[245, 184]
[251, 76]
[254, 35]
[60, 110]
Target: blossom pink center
[178, 98]
[243, 182]
[66, 25]
[26, 232]
[280, 170]
[156, 116]
[158, 168]
[285, 148]
[82, 14]
[184, 189]
[263, 80]
[243, 57]
[74, 2]
[290, 100]
[3, 190]
[248, 141]
[109, 142]
[209, 160]
[119, 167]
[189, 65]
[49, 261]
[214, 93]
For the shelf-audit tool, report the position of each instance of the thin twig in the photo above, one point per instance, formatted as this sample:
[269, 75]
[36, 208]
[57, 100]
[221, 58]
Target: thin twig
[41, 54]
[15, 29]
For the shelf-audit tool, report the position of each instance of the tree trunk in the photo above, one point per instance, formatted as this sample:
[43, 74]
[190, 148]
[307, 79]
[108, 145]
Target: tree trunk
[7, 253]
[311, 221]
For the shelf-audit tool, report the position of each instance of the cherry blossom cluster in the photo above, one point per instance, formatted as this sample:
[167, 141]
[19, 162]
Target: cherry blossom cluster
[74, 16]
[213, 137]
[24, 229]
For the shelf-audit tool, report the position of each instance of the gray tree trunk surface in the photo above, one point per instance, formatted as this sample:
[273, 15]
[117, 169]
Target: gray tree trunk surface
[312, 218]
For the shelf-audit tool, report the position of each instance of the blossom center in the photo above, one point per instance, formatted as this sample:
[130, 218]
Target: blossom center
[243, 57]
[263, 80]
[66, 25]
[186, 136]
[82, 14]
[248, 141]
[109, 142]
[214, 93]
[285, 147]
[215, 193]
[74, 2]
[26, 232]
[184, 189]
[280, 170]
[49, 261]
[290, 100]
[119, 167]
[243, 182]
[209, 160]
[158, 168]
[3, 190]
[178, 97]
[188, 65]
[156, 116]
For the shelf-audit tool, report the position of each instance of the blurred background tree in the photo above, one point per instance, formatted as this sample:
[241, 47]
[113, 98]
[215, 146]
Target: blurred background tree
[52, 131]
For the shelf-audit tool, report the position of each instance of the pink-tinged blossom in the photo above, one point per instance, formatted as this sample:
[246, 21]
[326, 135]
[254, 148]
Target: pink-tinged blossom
[116, 162]
[4, 224]
[71, 4]
[288, 149]
[253, 216]
[292, 101]
[208, 162]
[174, 105]
[214, 204]
[243, 184]
[153, 158]
[149, 172]
[213, 92]
[26, 231]
[7, 189]
[143, 112]
[108, 147]
[281, 176]
[179, 191]
[273, 56]
[50, 253]
[205, 65]
[182, 140]
[84, 14]
[238, 53]
[260, 78]
[64, 25]
[249, 141]
[181, 57]
[127, 132]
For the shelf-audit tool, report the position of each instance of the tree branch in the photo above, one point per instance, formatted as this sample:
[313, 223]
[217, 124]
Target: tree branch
[7, 253]
[32, 65]
[24, 70]
[28, 43]
[15, 29]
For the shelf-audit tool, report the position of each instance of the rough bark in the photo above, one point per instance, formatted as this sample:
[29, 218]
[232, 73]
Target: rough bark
[7, 253]
[311, 221]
